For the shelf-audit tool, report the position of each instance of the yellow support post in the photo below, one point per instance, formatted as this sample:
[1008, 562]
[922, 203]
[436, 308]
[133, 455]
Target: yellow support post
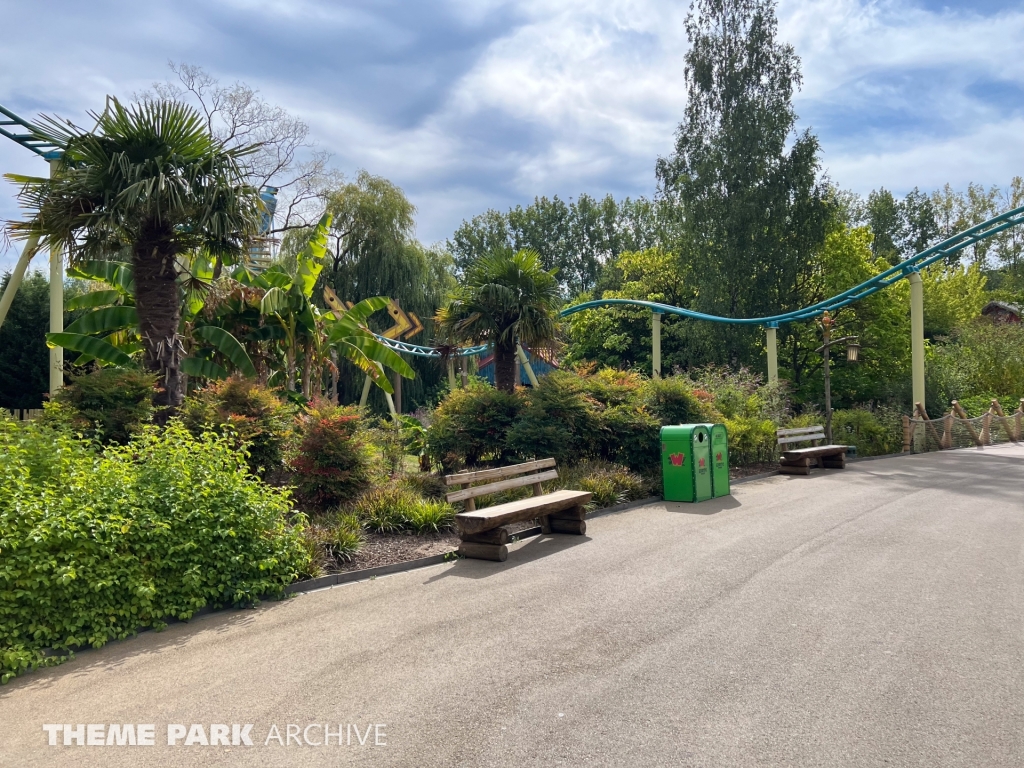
[56, 309]
[525, 362]
[771, 347]
[656, 344]
[17, 276]
[917, 335]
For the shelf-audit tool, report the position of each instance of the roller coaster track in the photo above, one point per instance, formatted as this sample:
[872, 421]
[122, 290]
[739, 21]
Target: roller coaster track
[904, 269]
[12, 127]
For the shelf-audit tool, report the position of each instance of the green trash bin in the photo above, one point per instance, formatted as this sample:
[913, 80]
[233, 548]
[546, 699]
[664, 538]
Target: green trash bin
[686, 462]
[719, 459]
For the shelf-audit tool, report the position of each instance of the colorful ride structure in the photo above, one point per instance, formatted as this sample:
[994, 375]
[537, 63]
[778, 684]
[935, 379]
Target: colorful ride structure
[21, 131]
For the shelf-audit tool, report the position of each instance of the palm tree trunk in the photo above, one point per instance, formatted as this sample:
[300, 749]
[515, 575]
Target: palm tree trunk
[159, 312]
[505, 368]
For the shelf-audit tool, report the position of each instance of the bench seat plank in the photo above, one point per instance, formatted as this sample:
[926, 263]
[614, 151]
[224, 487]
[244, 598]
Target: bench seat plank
[517, 511]
[807, 453]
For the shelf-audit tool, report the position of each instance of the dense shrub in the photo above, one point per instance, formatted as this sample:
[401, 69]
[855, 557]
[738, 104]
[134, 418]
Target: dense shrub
[109, 404]
[394, 508]
[330, 542]
[671, 400]
[751, 440]
[94, 546]
[979, 357]
[978, 405]
[631, 437]
[610, 483]
[254, 414]
[867, 432]
[471, 425]
[332, 464]
[558, 419]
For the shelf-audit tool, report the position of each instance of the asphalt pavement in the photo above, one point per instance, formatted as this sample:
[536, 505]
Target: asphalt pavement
[872, 616]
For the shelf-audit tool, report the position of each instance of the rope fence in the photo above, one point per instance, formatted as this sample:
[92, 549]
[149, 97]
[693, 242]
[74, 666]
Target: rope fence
[958, 430]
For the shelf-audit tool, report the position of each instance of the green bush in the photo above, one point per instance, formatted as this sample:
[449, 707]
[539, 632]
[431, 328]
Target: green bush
[332, 464]
[558, 419]
[865, 431]
[395, 508]
[94, 547]
[631, 436]
[471, 425]
[109, 404]
[254, 415]
[610, 483]
[330, 542]
[751, 441]
[978, 405]
[671, 401]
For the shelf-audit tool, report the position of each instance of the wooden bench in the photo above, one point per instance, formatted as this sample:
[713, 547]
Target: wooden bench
[798, 461]
[481, 530]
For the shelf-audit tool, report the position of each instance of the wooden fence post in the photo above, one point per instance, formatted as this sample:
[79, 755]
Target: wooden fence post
[962, 414]
[906, 434]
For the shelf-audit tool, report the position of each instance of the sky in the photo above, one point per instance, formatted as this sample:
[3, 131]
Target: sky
[476, 104]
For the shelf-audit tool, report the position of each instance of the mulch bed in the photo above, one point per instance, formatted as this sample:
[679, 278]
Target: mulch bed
[388, 548]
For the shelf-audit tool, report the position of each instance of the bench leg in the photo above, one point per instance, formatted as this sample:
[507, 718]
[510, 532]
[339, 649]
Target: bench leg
[834, 462]
[545, 524]
[493, 536]
[794, 469]
[470, 549]
[577, 527]
[576, 513]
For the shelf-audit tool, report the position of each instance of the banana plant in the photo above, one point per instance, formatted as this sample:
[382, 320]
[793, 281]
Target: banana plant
[287, 317]
[267, 311]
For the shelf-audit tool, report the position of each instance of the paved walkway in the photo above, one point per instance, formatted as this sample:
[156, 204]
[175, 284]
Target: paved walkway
[868, 617]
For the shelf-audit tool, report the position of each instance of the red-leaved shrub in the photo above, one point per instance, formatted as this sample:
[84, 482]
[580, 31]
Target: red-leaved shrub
[332, 463]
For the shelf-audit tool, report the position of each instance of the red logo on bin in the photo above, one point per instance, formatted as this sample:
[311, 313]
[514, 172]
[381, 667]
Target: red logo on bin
[702, 463]
[677, 459]
[718, 457]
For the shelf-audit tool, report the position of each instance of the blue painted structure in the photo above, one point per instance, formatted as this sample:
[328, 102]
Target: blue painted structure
[541, 367]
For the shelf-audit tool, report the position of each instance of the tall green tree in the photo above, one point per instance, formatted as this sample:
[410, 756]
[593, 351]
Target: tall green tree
[151, 180]
[506, 298]
[24, 359]
[885, 216]
[744, 182]
[575, 238]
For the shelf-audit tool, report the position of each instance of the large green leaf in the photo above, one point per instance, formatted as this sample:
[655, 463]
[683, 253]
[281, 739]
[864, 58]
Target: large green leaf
[310, 260]
[89, 345]
[274, 302]
[276, 277]
[373, 350]
[228, 346]
[93, 299]
[206, 369]
[266, 333]
[105, 319]
[116, 274]
[361, 312]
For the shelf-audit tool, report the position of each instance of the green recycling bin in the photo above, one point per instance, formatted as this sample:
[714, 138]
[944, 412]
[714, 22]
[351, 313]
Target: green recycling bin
[686, 462]
[719, 459]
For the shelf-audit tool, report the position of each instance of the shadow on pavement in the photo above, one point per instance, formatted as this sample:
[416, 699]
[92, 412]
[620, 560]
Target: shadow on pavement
[534, 549]
[147, 642]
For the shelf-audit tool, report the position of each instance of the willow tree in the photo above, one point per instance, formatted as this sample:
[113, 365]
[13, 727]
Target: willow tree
[151, 180]
[372, 251]
[506, 298]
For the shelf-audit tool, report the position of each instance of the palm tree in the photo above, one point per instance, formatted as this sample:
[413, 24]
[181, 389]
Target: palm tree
[507, 298]
[151, 180]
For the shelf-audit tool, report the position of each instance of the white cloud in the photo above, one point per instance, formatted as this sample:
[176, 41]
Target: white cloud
[570, 96]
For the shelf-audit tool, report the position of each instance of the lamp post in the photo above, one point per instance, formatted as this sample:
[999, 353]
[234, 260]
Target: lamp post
[852, 355]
